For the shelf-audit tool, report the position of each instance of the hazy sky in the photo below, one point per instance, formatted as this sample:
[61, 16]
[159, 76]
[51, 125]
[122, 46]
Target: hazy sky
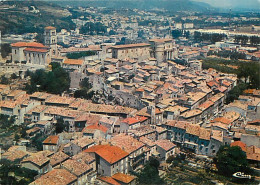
[233, 3]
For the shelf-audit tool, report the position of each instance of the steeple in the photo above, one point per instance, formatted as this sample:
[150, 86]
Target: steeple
[50, 39]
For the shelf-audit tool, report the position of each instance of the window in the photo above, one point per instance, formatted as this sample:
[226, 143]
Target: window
[15, 51]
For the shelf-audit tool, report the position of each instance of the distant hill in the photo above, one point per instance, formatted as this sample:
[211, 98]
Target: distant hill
[26, 16]
[171, 5]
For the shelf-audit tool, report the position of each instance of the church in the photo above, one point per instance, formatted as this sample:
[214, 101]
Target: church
[36, 53]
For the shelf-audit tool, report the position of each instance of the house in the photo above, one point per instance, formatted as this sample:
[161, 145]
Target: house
[51, 143]
[132, 146]
[58, 158]
[95, 131]
[73, 64]
[110, 159]
[165, 148]
[80, 170]
[57, 177]
[78, 145]
[150, 145]
[87, 158]
[39, 162]
[132, 123]
[15, 153]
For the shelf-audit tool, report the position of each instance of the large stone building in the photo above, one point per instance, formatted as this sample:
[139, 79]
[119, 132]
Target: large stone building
[36, 53]
[139, 51]
[30, 53]
[162, 49]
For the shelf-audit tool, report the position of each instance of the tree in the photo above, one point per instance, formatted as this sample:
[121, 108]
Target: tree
[150, 174]
[80, 54]
[112, 32]
[56, 81]
[16, 137]
[4, 80]
[7, 167]
[61, 126]
[176, 33]
[85, 83]
[234, 93]
[93, 28]
[5, 50]
[14, 76]
[39, 38]
[230, 160]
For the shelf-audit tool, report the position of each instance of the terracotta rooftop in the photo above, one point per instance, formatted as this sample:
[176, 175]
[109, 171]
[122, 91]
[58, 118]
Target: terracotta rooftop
[38, 158]
[50, 28]
[109, 180]
[14, 155]
[96, 126]
[51, 140]
[56, 177]
[126, 143]
[58, 158]
[147, 141]
[109, 153]
[193, 129]
[28, 44]
[75, 167]
[83, 157]
[217, 135]
[73, 62]
[240, 144]
[165, 144]
[83, 142]
[130, 121]
[123, 178]
[39, 50]
[160, 40]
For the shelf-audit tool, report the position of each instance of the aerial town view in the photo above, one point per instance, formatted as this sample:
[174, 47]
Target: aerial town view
[130, 92]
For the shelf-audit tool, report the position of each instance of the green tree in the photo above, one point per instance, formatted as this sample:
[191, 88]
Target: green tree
[80, 54]
[5, 50]
[61, 126]
[16, 137]
[177, 33]
[150, 174]
[7, 167]
[230, 160]
[56, 81]
[85, 90]
[4, 80]
[39, 38]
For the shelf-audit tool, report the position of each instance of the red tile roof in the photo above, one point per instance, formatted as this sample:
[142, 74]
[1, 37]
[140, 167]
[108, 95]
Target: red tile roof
[28, 44]
[73, 62]
[165, 144]
[240, 144]
[50, 28]
[130, 121]
[109, 180]
[36, 50]
[56, 177]
[109, 153]
[123, 178]
[53, 140]
[97, 127]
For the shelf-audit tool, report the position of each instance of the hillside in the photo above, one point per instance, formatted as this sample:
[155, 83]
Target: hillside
[171, 5]
[20, 17]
